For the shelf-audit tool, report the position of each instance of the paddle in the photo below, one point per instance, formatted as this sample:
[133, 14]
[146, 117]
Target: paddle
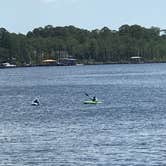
[88, 96]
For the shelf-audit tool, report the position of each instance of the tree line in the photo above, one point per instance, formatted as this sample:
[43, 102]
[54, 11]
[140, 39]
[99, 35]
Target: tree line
[103, 46]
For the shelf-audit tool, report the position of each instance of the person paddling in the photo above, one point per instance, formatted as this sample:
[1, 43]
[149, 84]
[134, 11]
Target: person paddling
[36, 101]
[94, 98]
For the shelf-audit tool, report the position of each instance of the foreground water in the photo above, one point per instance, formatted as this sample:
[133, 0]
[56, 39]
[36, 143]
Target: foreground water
[128, 128]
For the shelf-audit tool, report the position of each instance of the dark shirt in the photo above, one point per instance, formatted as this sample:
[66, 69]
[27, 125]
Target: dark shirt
[36, 101]
[94, 99]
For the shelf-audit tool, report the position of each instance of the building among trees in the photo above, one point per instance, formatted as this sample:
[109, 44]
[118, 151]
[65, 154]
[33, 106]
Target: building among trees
[88, 47]
[136, 59]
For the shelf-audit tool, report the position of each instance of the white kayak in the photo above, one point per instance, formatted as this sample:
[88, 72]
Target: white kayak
[35, 104]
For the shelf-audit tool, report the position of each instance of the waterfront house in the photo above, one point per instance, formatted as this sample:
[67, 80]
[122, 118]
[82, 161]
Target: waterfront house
[136, 59]
[49, 62]
[67, 61]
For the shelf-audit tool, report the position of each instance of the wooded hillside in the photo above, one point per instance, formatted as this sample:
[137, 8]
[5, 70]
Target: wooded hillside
[104, 45]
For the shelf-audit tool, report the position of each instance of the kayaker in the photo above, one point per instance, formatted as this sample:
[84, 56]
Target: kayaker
[94, 98]
[36, 101]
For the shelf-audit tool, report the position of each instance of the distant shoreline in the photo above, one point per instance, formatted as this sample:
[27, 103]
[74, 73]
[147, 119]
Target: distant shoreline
[81, 64]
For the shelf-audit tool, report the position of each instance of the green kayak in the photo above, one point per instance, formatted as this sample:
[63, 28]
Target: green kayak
[92, 102]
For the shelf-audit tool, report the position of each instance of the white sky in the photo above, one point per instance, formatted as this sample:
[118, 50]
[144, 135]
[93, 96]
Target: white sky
[21, 16]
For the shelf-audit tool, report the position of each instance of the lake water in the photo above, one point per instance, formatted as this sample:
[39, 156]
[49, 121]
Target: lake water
[128, 128]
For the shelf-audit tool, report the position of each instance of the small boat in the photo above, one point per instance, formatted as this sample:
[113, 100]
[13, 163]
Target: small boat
[35, 102]
[92, 102]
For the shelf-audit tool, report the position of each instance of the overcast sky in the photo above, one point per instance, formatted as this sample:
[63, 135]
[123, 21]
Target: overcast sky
[21, 16]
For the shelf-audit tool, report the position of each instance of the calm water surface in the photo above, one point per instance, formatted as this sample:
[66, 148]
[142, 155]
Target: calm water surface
[128, 128]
